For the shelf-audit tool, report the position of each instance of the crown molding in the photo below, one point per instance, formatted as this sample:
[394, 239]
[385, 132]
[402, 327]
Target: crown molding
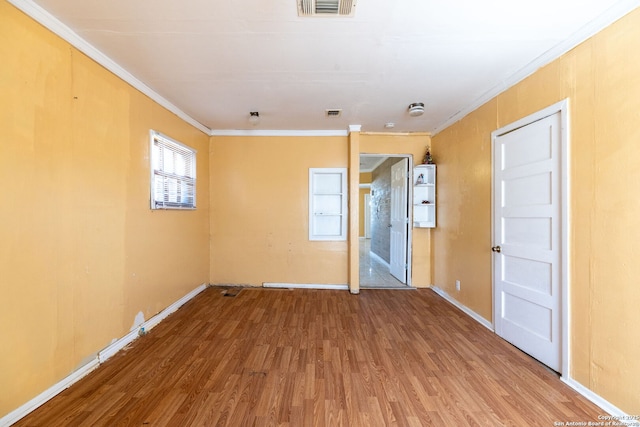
[40, 15]
[276, 132]
[613, 14]
[417, 133]
[52, 23]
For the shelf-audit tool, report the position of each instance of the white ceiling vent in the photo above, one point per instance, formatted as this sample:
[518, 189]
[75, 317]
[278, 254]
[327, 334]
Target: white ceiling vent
[326, 7]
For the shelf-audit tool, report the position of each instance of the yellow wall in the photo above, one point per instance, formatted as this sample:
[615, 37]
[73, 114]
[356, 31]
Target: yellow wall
[365, 178]
[601, 79]
[81, 251]
[414, 145]
[462, 238]
[260, 211]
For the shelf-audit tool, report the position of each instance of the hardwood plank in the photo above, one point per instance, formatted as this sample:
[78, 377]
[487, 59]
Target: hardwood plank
[316, 358]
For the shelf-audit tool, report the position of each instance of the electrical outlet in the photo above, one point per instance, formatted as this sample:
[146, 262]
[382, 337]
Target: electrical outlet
[457, 285]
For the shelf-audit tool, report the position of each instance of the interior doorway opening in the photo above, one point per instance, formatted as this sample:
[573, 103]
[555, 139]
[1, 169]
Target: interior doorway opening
[384, 226]
[530, 235]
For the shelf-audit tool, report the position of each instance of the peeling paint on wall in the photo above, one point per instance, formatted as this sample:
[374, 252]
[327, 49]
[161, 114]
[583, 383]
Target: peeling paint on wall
[139, 320]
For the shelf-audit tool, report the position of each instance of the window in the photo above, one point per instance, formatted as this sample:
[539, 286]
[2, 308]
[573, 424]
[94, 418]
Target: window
[173, 174]
[328, 204]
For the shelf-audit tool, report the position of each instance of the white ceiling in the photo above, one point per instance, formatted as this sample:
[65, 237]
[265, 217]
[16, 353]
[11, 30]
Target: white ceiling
[369, 163]
[218, 60]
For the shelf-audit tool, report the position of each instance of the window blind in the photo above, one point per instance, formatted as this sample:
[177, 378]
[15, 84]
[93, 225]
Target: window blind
[173, 174]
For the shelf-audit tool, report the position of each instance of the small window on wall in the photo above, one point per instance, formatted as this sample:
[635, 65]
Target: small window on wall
[173, 174]
[328, 204]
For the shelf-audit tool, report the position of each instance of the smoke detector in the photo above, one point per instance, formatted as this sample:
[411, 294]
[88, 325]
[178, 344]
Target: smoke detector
[416, 109]
[326, 7]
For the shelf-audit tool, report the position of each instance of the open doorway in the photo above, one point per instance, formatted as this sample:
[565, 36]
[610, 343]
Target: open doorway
[385, 231]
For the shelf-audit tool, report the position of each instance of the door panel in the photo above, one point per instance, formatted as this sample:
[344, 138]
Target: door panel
[527, 203]
[399, 220]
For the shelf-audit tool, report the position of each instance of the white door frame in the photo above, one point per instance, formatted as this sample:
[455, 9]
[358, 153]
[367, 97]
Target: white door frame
[409, 208]
[400, 215]
[561, 107]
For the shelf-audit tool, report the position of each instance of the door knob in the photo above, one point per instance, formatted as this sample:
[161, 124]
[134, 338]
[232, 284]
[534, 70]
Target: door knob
[496, 249]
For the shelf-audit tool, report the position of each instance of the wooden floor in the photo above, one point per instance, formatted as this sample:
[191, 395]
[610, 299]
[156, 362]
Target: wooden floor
[325, 358]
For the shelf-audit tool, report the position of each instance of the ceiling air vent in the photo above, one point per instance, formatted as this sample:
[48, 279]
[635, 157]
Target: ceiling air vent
[326, 7]
[333, 113]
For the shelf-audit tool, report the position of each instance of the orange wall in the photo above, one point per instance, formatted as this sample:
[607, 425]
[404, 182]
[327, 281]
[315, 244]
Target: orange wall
[414, 145]
[81, 252]
[601, 79]
[260, 211]
[462, 239]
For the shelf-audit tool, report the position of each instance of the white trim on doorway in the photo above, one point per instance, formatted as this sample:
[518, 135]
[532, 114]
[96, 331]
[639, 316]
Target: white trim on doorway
[409, 206]
[561, 107]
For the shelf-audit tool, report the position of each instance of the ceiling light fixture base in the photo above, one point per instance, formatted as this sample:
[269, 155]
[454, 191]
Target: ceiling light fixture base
[254, 117]
[416, 109]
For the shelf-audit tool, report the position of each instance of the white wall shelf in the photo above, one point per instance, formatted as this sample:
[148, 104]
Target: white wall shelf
[424, 196]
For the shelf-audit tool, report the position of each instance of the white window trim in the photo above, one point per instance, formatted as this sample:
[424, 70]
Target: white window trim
[154, 204]
[313, 214]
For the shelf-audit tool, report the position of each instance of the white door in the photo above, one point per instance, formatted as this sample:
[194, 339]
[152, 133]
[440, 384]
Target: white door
[527, 238]
[399, 220]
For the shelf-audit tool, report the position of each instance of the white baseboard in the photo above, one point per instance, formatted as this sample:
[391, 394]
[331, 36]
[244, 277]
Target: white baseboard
[45, 396]
[19, 413]
[377, 257]
[475, 316]
[118, 345]
[106, 353]
[616, 413]
[607, 408]
[305, 286]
